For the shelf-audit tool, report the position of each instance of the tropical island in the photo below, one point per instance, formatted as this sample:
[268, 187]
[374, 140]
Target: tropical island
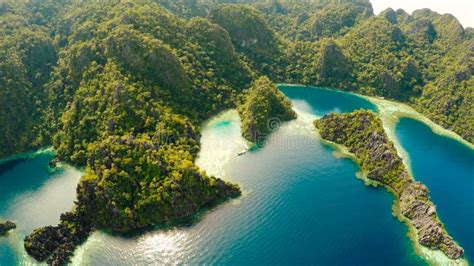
[362, 133]
[120, 89]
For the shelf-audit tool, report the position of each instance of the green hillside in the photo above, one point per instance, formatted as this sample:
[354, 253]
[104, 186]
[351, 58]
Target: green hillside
[104, 82]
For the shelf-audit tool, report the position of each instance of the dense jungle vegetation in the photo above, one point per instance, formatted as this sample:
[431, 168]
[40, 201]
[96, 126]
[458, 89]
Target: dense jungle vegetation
[424, 59]
[263, 110]
[120, 87]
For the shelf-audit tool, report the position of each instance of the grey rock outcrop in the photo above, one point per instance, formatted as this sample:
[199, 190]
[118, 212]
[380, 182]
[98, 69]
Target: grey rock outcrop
[415, 205]
[363, 134]
[6, 227]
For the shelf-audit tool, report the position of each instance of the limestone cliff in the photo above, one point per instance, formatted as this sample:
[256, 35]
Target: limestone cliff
[362, 133]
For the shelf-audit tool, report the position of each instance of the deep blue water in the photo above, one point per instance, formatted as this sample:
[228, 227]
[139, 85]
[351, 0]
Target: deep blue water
[300, 204]
[7, 254]
[307, 206]
[447, 168]
[22, 175]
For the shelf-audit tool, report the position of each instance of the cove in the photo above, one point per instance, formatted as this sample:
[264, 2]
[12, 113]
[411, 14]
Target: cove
[32, 195]
[447, 168]
[300, 205]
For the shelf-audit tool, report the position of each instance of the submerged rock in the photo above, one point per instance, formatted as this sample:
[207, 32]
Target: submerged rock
[6, 227]
[363, 134]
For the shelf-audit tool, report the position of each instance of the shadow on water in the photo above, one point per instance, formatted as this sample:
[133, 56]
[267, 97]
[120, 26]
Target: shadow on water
[21, 175]
[321, 101]
[10, 165]
[18, 177]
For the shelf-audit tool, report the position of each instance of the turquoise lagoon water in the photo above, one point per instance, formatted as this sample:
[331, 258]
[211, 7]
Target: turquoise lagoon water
[32, 195]
[300, 204]
[320, 101]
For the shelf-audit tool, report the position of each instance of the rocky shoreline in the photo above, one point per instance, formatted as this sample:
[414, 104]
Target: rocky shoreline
[180, 194]
[363, 135]
[6, 227]
[416, 206]
[55, 245]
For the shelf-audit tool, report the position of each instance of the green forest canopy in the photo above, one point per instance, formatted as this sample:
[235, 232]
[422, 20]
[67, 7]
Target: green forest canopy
[98, 79]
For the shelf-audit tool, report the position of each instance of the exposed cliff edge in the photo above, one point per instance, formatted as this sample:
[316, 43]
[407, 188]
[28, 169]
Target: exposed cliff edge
[362, 133]
[263, 110]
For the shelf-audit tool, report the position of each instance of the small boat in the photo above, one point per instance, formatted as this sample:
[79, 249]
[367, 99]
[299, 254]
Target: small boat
[242, 152]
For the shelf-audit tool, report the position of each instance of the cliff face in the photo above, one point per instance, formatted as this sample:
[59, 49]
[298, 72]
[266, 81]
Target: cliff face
[333, 66]
[362, 133]
[126, 193]
[416, 205]
[246, 27]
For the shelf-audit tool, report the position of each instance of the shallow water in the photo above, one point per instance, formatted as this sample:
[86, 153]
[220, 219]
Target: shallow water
[446, 167]
[32, 195]
[300, 204]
